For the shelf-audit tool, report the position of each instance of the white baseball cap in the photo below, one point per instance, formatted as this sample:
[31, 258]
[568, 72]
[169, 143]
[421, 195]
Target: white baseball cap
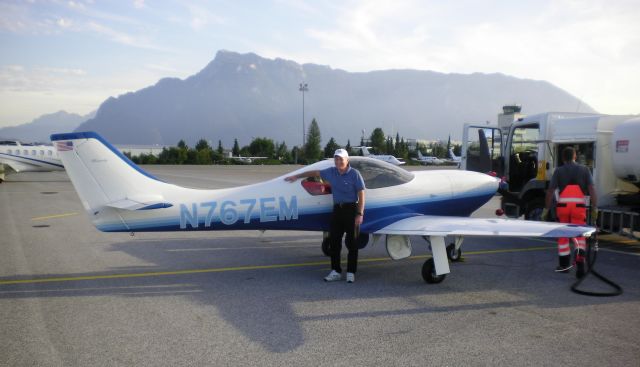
[341, 153]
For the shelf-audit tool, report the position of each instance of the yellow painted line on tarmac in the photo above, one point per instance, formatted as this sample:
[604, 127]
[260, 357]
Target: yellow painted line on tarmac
[239, 268]
[620, 241]
[55, 216]
[238, 248]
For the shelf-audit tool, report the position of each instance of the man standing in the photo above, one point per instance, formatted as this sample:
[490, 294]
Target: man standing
[347, 187]
[570, 184]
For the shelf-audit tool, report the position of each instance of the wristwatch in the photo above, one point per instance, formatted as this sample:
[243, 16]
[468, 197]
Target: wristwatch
[358, 213]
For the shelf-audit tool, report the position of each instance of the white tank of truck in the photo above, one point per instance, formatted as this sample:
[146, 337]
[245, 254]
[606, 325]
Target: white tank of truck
[625, 149]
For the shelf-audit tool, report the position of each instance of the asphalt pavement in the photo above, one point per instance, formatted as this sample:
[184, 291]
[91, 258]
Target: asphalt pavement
[73, 296]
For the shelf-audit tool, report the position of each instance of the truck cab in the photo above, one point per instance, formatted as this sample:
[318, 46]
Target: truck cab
[530, 150]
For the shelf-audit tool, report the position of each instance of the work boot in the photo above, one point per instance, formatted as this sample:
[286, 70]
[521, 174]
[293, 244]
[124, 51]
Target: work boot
[580, 263]
[564, 264]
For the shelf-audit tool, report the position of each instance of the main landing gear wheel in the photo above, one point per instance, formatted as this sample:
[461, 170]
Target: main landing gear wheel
[452, 254]
[429, 273]
[325, 246]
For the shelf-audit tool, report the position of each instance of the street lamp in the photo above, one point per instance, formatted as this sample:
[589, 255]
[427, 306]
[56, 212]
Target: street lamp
[303, 88]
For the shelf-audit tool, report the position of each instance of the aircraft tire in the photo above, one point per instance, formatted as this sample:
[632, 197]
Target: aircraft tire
[429, 273]
[452, 254]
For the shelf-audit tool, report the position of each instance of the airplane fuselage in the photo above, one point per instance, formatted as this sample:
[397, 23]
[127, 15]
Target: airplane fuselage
[277, 204]
[29, 157]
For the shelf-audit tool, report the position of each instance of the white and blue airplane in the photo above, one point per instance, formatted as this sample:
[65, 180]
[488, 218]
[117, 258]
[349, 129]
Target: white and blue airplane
[454, 158]
[19, 157]
[383, 157]
[428, 159]
[118, 196]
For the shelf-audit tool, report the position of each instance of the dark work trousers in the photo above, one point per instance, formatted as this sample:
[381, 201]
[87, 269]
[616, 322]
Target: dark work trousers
[343, 221]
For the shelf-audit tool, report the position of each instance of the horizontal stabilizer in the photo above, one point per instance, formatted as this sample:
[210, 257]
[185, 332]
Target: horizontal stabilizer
[140, 203]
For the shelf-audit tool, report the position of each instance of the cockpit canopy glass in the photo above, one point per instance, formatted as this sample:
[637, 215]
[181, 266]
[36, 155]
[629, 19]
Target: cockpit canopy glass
[378, 174]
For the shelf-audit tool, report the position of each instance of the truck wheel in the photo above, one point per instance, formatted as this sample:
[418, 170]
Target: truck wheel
[534, 210]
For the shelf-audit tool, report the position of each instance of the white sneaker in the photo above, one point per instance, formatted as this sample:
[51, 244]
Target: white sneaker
[351, 277]
[333, 276]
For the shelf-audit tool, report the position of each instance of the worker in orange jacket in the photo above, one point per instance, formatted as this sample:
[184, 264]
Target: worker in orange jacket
[570, 184]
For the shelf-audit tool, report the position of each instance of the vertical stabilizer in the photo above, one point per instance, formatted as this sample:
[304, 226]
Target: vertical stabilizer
[103, 176]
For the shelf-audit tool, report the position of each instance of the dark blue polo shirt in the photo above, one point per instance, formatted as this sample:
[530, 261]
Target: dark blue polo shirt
[571, 173]
[344, 187]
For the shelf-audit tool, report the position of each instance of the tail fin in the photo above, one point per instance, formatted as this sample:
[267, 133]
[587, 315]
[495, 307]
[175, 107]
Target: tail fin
[419, 154]
[104, 177]
[451, 154]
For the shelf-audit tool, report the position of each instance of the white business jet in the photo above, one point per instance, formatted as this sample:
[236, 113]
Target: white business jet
[247, 160]
[383, 157]
[19, 157]
[428, 160]
[454, 158]
[118, 196]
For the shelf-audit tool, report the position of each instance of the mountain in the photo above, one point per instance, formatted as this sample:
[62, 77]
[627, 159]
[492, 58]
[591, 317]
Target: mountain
[42, 127]
[245, 96]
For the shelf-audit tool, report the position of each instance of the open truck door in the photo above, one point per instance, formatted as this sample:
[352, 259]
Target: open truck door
[482, 149]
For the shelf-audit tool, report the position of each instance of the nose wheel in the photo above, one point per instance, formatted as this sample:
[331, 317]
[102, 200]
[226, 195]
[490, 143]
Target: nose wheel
[429, 272]
[453, 254]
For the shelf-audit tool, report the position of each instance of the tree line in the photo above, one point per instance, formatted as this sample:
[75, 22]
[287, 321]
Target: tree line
[278, 153]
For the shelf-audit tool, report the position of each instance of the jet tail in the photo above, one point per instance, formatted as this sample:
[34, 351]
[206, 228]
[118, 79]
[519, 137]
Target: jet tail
[452, 154]
[104, 177]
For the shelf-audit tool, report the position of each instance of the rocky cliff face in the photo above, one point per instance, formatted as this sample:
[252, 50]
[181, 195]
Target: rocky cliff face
[41, 128]
[244, 96]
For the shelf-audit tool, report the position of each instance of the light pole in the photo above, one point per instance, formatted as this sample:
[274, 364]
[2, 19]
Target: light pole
[303, 88]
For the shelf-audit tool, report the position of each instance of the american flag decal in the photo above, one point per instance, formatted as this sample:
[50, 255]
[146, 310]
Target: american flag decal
[63, 146]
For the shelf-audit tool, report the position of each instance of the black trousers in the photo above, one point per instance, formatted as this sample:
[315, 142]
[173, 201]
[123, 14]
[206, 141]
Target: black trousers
[343, 222]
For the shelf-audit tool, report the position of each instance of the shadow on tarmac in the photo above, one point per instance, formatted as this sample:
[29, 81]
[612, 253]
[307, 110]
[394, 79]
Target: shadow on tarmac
[269, 306]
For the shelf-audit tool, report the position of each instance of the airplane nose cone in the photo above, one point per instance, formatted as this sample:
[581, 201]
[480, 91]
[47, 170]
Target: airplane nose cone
[473, 183]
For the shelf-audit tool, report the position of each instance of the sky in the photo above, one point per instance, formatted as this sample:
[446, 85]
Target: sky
[73, 55]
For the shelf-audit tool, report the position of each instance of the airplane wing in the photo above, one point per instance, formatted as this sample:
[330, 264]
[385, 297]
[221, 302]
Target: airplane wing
[438, 227]
[429, 225]
[15, 165]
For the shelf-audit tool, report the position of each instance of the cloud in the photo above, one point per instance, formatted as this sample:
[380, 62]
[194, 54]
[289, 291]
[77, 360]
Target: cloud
[18, 78]
[28, 92]
[201, 18]
[576, 45]
[124, 38]
[64, 23]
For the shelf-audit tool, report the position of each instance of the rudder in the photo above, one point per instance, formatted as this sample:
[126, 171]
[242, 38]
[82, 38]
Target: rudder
[103, 176]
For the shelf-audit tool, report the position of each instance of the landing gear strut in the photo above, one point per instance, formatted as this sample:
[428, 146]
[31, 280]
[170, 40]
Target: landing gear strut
[453, 254]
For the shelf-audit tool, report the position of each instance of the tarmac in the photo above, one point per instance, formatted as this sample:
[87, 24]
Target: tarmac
[73, 296]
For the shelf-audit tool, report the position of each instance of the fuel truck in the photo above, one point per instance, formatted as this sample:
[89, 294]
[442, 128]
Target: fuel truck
[525, 151]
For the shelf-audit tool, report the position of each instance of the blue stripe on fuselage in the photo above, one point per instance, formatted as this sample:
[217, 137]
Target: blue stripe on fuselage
[318, 220]
[31, 159]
